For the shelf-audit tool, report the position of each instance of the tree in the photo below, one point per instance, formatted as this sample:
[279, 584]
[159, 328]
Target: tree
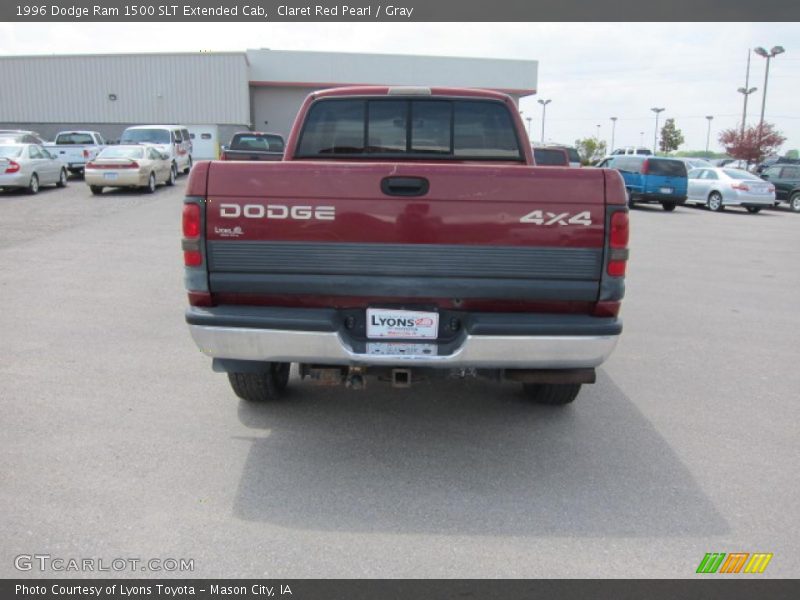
[793, 154]
[754, 145]
[590, 150]
[671, 137]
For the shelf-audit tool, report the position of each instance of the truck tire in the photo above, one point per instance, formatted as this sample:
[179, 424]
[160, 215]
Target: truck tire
[552, 393]
[794, 202]
[96, 189]
[630, 198]
[668, 206]
[261, 387]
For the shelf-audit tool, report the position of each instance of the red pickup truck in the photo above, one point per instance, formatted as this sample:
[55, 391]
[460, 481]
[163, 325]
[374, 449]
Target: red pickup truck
[406, 235]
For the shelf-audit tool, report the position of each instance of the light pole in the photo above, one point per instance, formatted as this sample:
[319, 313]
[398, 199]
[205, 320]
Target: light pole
[768, 55]
[708, 134]
[529, 119]
[544, 104]
[746, 92]
[641, 138]
[613, 129]
[655, 133]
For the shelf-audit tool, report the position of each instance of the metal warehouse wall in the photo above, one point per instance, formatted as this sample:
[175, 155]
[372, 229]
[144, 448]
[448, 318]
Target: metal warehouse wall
[277, 106]
[149, 88]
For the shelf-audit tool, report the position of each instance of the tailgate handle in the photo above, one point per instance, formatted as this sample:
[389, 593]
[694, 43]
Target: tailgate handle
[404, 186]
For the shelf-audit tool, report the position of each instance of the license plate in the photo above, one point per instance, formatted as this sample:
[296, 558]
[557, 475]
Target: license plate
[400, 349]
[666, 190]
[110, 176]
[398, 324]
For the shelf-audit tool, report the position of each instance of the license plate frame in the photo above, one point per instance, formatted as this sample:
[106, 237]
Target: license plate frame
[401, 324]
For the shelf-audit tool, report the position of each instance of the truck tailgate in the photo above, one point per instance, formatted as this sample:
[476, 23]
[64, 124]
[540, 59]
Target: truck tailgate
[495, 231]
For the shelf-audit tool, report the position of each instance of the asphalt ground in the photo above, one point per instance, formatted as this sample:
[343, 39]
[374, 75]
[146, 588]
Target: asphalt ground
[118, 441]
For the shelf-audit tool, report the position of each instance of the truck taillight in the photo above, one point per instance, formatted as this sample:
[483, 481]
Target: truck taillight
[192, 257]
[85, 153]
[13, 167]
[646, 166]
[618, 244]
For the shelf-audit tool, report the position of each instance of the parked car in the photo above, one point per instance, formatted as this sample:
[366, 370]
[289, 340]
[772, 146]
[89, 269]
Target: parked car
[651, 179]
[786, 179]
[19, 136]
[172, 139]
[775, 161]
[139, 165]
[572, 153]
[719, 187]
[29, 166]
[550, 157]
[254, 145]
[632, 151]
[401, 248]
[76, 148]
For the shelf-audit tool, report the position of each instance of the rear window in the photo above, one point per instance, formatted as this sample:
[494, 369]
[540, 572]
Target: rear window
[257, 141]
[10, 151]
[673, 168]
[74, 138]
[737, 174]
[118, 152]
[154, 136]
[550, 157]
[791, 173]
[435, 128]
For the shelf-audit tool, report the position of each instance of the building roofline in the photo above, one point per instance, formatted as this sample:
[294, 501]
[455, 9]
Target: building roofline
[328, 85]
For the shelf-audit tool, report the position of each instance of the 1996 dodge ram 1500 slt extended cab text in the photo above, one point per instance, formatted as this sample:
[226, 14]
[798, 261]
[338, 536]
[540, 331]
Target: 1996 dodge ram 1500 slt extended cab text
[406, 234]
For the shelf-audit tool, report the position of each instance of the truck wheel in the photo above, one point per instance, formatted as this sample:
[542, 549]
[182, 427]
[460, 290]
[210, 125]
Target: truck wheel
[62, 179]
[630, 198]
[96, 189]
[794, 202]
[552, 393]
[33, 185]
[261, 387]
[668, 206]
[188, 166]
[715, 202]
[754, 209]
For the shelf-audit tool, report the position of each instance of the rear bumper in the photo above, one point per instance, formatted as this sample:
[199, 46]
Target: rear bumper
[318, 336]
[14, 180]
[126, 178]
[653, 197]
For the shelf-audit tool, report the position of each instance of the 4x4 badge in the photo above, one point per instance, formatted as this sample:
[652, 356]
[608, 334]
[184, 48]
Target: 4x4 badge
[538, 217]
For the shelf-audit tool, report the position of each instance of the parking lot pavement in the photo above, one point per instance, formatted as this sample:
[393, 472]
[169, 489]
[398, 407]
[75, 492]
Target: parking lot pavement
[118, 440]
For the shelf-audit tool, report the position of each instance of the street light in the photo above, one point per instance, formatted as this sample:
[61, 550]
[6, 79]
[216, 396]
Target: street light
[708, 134]
[746, 92]
[613, 128]
[641, 138]
[544, 104]
[768, 55]
[655, 133]
[529, 119]
[598, 133]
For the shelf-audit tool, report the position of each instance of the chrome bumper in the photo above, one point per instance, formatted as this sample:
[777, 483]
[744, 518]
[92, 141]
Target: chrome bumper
[480, 351]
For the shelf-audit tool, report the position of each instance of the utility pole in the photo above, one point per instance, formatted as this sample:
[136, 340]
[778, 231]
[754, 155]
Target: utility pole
[613, 128]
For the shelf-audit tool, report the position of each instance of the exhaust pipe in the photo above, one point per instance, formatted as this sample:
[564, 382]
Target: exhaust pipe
[401, 378]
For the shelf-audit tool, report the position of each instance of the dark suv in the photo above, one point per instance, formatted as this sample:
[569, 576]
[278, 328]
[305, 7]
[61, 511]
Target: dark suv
[786, 179]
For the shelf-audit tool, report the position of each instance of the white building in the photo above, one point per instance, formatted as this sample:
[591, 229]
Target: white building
[216, 94]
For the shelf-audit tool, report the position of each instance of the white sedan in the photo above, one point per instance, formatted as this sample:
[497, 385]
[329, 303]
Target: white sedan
[720, 187]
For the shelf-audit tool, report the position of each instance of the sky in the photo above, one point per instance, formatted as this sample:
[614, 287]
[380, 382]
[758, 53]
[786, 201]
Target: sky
[590, 71]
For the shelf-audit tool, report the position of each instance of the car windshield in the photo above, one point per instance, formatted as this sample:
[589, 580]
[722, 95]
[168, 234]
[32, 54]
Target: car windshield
[10, 151]
[121, 152]
[257, 141]
[154, 136]
[73, 138]
[737, 174]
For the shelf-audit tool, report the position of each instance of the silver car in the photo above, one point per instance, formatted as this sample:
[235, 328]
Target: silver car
[720, 187]
[29, 166]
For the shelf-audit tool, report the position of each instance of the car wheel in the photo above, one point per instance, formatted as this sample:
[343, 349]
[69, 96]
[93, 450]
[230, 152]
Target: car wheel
[188, 166]
[753, 209]
[261, 387]
[33, 184]
[715, 202]
[62, 179]
[668, 206]
[552, 393]
[96, 189]
[173, 173]
[794, 202]
[151, 184]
